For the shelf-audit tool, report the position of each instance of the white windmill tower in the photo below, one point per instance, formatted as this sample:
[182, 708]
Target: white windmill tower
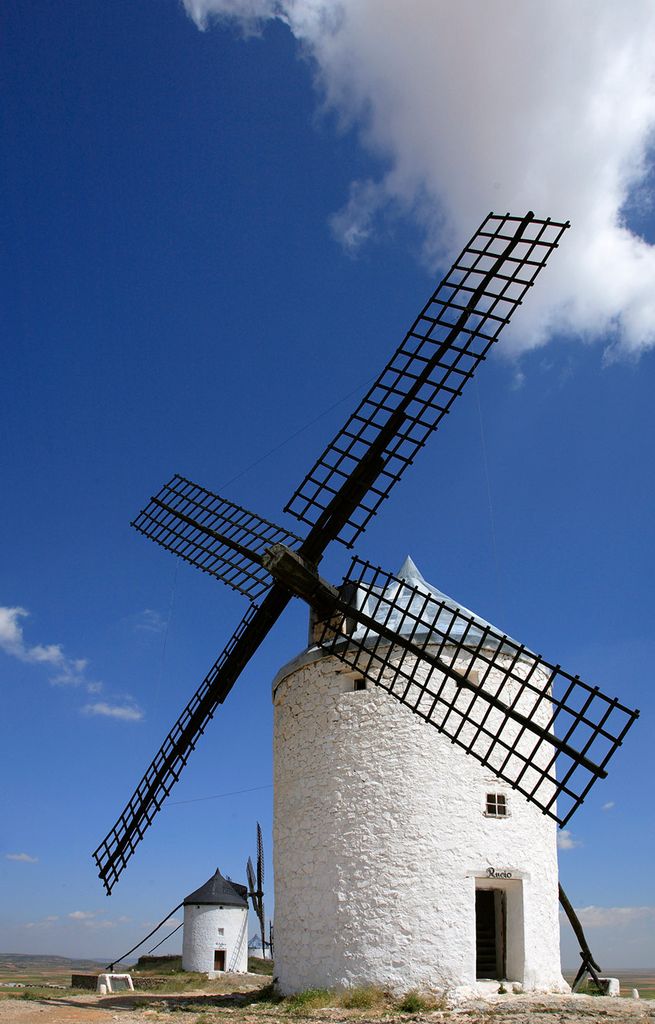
[400, 861]
[533, 727]
[215, 931]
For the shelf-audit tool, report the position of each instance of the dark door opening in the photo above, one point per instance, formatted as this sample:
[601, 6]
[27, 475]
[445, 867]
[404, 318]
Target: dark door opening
[219, 959]
[490, 933]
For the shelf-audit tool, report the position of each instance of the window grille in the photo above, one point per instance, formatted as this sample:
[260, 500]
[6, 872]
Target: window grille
[496, 805]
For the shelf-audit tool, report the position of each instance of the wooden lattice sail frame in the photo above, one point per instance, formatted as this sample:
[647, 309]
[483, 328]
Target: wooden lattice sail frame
[337, 499]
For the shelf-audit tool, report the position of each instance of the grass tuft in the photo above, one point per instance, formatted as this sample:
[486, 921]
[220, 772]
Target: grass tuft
[419, 1002]
[364, 997]
[310, 999]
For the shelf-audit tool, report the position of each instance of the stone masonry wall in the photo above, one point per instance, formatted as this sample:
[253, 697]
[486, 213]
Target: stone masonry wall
[380, 839]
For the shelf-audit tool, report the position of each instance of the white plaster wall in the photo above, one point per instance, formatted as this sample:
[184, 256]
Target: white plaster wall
[380, 839]
[201, 936]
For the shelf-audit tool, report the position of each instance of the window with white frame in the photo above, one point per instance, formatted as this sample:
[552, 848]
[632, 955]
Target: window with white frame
[496, 805]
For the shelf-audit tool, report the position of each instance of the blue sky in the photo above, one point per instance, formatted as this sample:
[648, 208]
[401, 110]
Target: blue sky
[212, 247]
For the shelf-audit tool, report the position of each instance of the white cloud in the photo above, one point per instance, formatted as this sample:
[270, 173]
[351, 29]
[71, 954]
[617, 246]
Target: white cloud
[565, 840]
[354, 224]
[124, 712]
[69, 671]
[149, 621]
[25, 858]
[92, 920]
[503, 106]
[45, 922]
[613, 917]
[12, 641]
[608, 806]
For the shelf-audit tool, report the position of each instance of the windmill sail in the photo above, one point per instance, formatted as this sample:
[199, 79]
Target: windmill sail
[119, 844]
[250, 872]
[260, 888]
[213, 534]
[256, 887]
[545, 732]
[440, 353]
[260, 860]
[343, 491]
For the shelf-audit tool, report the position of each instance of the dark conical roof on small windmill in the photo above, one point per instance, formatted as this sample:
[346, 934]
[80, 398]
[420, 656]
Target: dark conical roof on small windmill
[219, 890]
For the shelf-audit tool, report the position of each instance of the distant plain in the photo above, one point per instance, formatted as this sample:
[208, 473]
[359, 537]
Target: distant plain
[35, 971]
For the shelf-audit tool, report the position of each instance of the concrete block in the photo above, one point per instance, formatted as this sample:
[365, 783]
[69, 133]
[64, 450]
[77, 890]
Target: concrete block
[115, 983]
[611, 986]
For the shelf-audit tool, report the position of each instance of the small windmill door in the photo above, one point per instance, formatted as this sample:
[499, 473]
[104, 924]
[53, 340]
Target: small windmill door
[219, 959]
[490, 933]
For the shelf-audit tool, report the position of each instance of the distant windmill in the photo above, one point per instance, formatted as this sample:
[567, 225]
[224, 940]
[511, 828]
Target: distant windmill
[256, 887]
[570, 725]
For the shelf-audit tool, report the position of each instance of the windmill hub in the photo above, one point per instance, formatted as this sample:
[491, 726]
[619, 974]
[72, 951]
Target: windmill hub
[300, 576]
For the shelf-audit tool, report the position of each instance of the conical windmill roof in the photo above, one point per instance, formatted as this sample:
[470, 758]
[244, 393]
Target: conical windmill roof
[409, 596]
[439, 617]
[219, 890]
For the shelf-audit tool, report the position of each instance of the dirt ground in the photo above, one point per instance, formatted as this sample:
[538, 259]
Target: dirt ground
[203, 1008]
